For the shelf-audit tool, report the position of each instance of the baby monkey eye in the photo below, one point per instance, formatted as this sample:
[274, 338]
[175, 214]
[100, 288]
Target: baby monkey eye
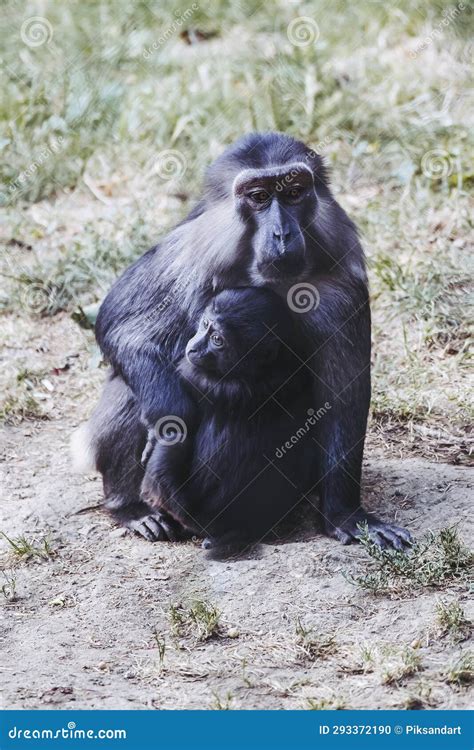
[205, 322]
[217, 340]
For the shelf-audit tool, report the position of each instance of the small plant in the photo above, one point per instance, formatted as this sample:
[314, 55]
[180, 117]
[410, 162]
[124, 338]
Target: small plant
[178, 619]
[406, 665]
[313, 648]
[431, 562]
[161, 646]
[9, 587]
[420, 696]
[367, 658]
[245, 676]
[325, 704]
[222, 704]
[199, 619]
[452, 621]
[461, 672]
[26, 550]
[206, 619]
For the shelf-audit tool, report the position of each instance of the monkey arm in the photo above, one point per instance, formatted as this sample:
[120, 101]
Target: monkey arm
[134, 328]
[340, 300]
[340, 360]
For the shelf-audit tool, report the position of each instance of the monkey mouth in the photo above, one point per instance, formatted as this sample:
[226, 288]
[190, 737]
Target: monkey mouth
[272, 273]
[282, 268]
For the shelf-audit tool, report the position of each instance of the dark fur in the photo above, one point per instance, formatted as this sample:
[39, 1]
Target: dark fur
[233, 487]
[147, 318]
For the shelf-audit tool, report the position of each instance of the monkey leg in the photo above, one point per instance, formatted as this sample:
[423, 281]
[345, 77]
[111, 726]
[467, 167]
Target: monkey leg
[113, 442]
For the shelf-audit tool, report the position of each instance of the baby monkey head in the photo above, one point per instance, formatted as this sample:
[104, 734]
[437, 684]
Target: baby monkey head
[240, 334]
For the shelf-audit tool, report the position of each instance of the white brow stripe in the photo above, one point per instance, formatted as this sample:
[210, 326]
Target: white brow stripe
[277, 171]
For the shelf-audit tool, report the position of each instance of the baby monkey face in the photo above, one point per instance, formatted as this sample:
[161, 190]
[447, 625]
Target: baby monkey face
[211, 348]
[237, 334]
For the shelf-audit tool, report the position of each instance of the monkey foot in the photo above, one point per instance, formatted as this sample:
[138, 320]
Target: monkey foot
[153, 526]
[157, 527]
[385, 535]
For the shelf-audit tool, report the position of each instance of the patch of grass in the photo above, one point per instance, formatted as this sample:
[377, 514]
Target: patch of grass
[310, 647]
[20, 407]
[419, 697]
[24, 549]
[367, 658]
[432, 562]
[178, 618]
[404, 664]
[222, 704]
[324, 704]
[22, 400]
[452, 621]
[461, 671]
[77, 275]
[200, 619]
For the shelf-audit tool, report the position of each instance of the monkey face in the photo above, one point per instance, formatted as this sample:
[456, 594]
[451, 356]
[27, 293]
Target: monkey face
[208, 349]
[235, 337]
[281, 203]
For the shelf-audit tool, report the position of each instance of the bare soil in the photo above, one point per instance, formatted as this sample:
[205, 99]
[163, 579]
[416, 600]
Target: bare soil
[87, 625]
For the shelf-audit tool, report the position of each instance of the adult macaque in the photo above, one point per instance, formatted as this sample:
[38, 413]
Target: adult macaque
[266, 218]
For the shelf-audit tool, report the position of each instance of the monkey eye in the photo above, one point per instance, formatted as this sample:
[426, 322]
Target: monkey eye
[295, 192]
[259, 196]
[205, 322]
[217, 340]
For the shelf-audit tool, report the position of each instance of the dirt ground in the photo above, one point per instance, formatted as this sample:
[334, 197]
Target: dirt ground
[91, 626]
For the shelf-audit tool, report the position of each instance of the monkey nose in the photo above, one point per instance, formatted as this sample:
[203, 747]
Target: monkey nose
[281, 233]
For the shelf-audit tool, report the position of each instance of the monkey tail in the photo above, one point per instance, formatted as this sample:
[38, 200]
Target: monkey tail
[83, 450]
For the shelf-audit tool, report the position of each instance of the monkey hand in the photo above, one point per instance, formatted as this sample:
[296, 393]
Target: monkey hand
[348, 529]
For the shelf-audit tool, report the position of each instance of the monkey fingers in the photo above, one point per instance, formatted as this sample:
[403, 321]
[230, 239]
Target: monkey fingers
[384, 535]
[149, 527]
